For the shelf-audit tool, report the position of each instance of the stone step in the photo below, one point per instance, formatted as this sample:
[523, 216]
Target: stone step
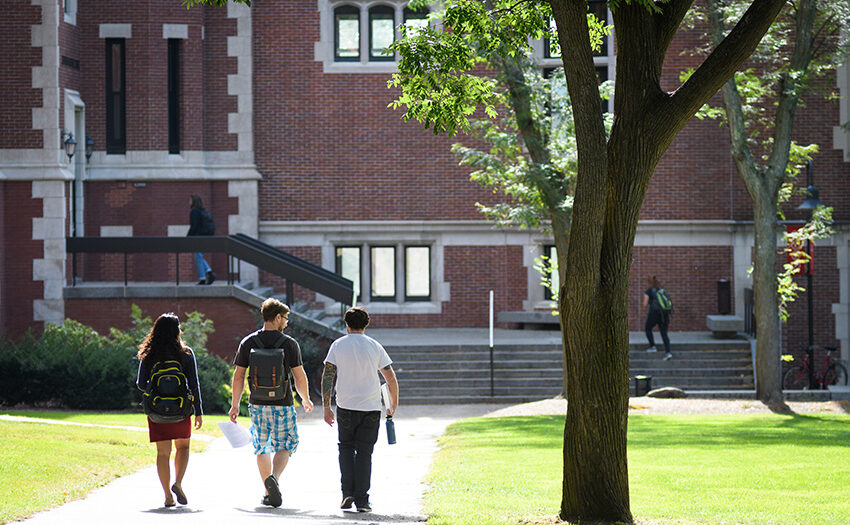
[443, 399]
[554, 355]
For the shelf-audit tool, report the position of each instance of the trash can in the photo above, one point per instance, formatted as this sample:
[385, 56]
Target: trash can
[724, 297]
[643, 384]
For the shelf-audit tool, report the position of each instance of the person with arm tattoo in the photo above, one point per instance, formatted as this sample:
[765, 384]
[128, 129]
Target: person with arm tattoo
[350, 369]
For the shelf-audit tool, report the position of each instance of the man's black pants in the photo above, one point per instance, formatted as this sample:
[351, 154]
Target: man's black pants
[358, 432]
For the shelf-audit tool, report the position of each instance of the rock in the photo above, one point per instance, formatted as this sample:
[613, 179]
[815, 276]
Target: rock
[668, 392]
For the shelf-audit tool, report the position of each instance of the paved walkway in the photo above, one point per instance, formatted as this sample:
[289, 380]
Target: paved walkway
[224, 487]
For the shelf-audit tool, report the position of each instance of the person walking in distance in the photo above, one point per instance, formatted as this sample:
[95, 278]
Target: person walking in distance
[201, 223]
[354, 360]
[163, 354]
[268, 355]
[659, 315]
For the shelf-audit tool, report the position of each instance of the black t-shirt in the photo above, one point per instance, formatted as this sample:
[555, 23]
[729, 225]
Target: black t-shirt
[291, 354]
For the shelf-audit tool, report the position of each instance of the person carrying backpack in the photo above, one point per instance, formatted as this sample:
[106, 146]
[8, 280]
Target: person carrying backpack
[168, 375]
[660, 308]
[201, 223]
[267, 357]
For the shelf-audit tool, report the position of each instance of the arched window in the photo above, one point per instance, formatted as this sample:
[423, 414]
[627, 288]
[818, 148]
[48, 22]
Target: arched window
[347, 33]
[381, 32]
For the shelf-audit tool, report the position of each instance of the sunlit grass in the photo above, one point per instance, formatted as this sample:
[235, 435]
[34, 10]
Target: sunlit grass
[753, 469]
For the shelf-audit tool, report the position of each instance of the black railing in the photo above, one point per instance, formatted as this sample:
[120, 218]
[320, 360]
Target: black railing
[238, 248]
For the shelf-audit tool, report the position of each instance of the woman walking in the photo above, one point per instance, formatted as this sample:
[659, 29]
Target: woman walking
[656, 316]
[163, 343]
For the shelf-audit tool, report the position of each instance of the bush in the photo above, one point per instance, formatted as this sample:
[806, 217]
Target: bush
[73, 366]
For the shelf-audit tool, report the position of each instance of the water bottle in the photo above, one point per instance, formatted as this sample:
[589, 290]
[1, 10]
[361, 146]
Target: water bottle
[390, 430]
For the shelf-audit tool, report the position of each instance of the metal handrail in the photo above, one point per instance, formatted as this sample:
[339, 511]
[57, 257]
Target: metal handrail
[242, 247]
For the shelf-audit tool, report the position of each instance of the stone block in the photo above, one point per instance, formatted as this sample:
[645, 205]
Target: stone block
[724, 326]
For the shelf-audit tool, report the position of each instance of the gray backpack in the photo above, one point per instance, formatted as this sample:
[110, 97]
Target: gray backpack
[268, 375]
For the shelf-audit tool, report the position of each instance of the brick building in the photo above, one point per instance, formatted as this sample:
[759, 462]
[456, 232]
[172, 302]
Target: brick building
[276, 115]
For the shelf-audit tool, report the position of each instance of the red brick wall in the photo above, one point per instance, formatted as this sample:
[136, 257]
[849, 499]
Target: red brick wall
[232, 319]
[311, 254]
[327, 145]
[689, 274]
[217, 65]
[19, 251]
[795, 331]
[19, 97]
[204, 68]
[69, 77]
[150, 209]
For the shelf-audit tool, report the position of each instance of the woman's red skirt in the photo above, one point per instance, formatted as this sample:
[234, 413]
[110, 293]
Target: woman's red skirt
[164, 431]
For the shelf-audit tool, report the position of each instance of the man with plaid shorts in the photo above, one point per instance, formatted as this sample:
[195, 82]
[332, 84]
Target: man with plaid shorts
[273, 425]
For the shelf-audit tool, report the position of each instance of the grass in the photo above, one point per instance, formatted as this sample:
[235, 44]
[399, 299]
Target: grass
[124, 419]
[750, 469]
[33, 478]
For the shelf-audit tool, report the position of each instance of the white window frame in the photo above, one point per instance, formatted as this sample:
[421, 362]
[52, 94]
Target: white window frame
[841, 133]
[69, 9]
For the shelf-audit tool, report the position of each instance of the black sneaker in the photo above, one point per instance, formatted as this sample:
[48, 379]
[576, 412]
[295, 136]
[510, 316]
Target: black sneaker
[347, 502]
[274, 491]
[210, 277]
[364, 507]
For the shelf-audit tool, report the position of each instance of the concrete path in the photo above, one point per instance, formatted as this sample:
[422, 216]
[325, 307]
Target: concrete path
[223, 485]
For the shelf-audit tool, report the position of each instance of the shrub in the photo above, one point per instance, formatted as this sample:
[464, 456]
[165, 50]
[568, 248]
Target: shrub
[73, 366]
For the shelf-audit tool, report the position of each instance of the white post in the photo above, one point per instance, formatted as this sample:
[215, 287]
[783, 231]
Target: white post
[492, 384]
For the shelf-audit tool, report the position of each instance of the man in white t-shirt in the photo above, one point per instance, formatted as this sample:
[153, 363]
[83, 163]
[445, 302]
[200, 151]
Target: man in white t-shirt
[354, 361]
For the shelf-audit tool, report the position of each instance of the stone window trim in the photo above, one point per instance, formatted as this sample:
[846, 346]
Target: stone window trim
[115, 31]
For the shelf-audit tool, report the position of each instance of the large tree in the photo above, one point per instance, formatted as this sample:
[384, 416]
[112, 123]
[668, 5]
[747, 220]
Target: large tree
[613, 176]
[760, 106]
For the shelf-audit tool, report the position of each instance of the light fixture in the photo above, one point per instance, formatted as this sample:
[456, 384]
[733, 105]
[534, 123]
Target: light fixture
[89, 147]
[70, 144]
[812, 201]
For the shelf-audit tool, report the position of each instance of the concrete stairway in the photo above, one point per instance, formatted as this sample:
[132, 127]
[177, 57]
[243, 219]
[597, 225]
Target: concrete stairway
[528, 372]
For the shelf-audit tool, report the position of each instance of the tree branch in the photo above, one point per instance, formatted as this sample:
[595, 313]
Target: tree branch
[672, 14]
[722, 63]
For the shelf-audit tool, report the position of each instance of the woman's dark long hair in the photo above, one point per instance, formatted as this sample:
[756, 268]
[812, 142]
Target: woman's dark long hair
[197, 202]
[163, 341]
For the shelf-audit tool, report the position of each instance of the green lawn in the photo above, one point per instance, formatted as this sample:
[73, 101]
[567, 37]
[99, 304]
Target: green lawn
[34, 478]
[134, 419]
[753, 469]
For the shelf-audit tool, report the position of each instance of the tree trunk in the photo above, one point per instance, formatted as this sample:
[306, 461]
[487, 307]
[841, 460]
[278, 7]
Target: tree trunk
[561, 233]
[613, 175]
[769, 389]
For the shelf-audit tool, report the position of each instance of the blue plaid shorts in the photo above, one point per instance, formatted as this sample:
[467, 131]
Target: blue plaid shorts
[273, 428]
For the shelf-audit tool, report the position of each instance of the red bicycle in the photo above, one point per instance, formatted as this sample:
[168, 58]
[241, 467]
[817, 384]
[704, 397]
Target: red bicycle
[832, 373]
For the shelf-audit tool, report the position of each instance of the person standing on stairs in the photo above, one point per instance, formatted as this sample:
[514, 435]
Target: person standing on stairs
[657, 316]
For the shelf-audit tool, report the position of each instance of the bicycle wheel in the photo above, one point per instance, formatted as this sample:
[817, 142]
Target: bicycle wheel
[795, 378]
[836, 375]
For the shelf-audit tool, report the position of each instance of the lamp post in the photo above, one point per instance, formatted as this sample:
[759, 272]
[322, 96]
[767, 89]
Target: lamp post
[89, 148]
[811, 203]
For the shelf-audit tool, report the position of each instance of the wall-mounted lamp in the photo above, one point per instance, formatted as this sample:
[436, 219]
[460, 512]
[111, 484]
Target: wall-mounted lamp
[70, 144]
[89, 147]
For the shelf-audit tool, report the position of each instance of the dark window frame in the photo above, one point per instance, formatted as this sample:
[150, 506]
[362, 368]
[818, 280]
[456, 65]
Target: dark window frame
[346, 10]
[174, 96]
[417, 298]
[381, 10]
[116, 144]
[382, 298]
[338, 263]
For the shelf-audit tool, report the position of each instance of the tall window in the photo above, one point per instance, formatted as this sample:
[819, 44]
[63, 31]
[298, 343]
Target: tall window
[348, 265]
[417, 273]
[116, 140]
[173, 95]
[382, 262]
[381, 32]
[347, 33]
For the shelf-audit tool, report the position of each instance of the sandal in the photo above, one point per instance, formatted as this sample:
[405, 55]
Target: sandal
[181, 498]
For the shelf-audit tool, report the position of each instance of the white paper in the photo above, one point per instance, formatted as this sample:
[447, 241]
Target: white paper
[236, 434]
[385, 395]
